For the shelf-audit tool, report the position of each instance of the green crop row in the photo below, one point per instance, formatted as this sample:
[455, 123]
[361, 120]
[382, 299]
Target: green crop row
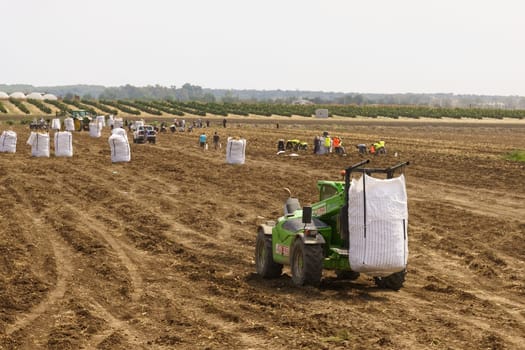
[20, 105]
[2, 108]
[40, 105]
[100, 106]
[158, 107]
[163, 107]
[141, 106]
[79, 105]
[187, 108]
[121, 107]
[61, 106]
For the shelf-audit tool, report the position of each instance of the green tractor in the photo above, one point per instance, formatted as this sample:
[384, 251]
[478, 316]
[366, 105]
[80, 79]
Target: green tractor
[81, 118]
[337, 233]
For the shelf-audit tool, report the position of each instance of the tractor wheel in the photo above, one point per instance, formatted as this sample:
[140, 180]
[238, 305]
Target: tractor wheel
[264, 263]
[346, 275]
[394, 281]
[306, 263]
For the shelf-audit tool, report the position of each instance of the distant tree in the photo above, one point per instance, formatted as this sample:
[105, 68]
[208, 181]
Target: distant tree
[229, 98]
[207, 97]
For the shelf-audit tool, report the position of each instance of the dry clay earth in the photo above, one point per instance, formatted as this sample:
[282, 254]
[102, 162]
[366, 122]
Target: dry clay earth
[158, 253]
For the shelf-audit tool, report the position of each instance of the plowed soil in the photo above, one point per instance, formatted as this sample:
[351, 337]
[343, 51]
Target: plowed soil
[158, 253]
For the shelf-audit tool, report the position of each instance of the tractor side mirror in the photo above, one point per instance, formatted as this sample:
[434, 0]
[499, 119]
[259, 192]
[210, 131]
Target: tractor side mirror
[307, 214]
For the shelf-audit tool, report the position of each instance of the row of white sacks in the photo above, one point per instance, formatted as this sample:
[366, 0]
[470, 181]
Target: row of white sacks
[63, 145]
[100, 121]
[118, 142]
[39, 143]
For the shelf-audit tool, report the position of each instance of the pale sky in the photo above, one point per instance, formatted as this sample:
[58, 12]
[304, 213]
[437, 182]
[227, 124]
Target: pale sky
[367, 46]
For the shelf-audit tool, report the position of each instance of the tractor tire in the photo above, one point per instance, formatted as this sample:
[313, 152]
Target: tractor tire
[394, 281]
[347, 275]
[264, 263]
[306, 263]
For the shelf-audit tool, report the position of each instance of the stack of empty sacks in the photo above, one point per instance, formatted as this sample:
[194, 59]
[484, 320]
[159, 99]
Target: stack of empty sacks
[235, 151]
[8, 142]
[120, 150]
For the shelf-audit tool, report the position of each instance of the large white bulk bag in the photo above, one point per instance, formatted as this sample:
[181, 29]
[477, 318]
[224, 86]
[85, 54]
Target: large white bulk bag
[120, 151]
[120, 131]
[55, 124]
[235, 151]
[69, 124]
[39, 144]
[95, 129]
[111, 120]
[380, 247]
[8, 142]
[63, 144]
[102, 120]
[118, 123]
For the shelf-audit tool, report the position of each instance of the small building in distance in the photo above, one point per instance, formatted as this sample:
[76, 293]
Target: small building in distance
[321, 113]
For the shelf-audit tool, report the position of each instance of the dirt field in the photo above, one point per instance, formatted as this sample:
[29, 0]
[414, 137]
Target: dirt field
[158, 253]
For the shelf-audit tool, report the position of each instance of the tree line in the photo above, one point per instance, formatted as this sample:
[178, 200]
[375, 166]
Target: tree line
[189, 92]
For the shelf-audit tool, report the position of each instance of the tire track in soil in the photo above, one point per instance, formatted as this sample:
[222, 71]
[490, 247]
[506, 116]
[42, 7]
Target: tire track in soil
[64, 263]
[114, 325]
[510, 308]
[199, 303]
[137, 283]
[137, 286]
[484, 202]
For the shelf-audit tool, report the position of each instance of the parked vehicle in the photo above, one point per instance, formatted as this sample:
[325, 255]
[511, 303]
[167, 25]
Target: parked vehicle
[145, 133]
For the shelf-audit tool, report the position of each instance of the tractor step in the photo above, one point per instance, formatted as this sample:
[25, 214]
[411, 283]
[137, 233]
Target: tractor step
[343, 252]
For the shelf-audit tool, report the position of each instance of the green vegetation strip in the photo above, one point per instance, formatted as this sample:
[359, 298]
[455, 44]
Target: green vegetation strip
[40, 105]
[22, 107]
[100, 106]
[517, 156]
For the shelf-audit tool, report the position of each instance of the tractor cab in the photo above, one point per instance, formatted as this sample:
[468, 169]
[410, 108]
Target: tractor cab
[81, 118]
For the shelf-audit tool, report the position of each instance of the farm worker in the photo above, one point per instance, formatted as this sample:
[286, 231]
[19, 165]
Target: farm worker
[202, 140]
[337, 144]
[317, 144]
[380, 147]
[361, 148]
[372, 149]
[216, 139]
[328, 143]
[224, 123]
